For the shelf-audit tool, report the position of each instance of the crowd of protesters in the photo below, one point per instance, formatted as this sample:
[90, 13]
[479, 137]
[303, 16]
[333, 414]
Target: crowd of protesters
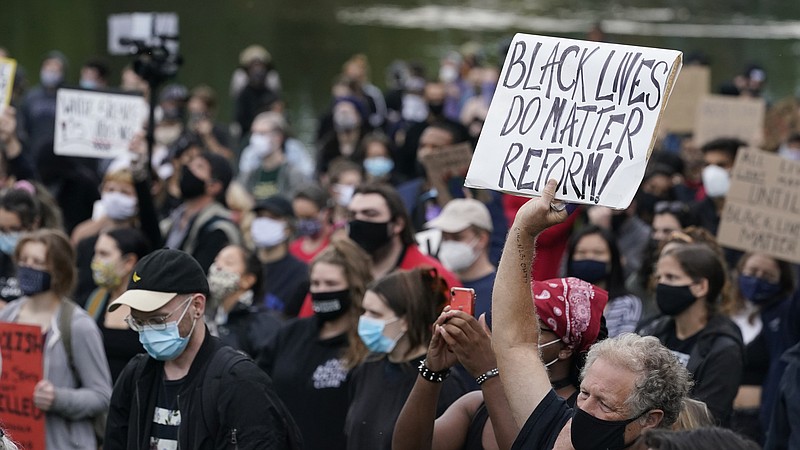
[598, 328]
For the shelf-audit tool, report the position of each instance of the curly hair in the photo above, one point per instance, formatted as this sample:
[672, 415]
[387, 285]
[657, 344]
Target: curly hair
[662, 382]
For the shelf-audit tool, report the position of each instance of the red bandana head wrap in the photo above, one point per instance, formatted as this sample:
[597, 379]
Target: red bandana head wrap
[571, 308]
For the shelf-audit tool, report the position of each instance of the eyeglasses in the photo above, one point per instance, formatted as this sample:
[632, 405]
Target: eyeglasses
[158, 323]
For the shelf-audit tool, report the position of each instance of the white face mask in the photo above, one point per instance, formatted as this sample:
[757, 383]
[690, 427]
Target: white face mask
[457, 256]
[267, 232]
[448, 73]
[789, 152]
[118, 206]
[261, 144]
[344, 193]
[414, 108]
[716, 180]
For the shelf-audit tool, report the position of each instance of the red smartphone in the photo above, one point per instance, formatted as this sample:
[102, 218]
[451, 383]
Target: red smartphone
[463, 299]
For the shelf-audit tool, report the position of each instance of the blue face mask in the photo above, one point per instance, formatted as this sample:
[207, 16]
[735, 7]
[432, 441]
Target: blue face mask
[33, 281]
[309, 227]
[8, 242]
[589, 270]
[371, 333]
[166, 344]
[757, 290]
[378, 166]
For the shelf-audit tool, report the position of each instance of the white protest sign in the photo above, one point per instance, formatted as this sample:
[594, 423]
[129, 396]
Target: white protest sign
[7, 69]
[96, 124]
[585, 113]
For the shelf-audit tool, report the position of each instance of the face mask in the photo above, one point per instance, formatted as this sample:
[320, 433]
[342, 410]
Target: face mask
[167, 135]
[590, 433]
[436, 109]
[267, 232]
[789, 152]
[191, 186]
[105, 275]
[261, 144]
[344, 193]
[369, 235]
[414, 108]
[88, 84]
[457, 256]
[171, 114]
[589, 270]
[221, 283]
[345, 121]
[448, 74]
[547, 344]
[166, 344]
[378, 166]
[118, 206]
[32, 281]
[757, 290]
[371, 333]
[8, 242]
[50, 78]
[716, 180]
[330, 305]
[309, 227]
[673, 300]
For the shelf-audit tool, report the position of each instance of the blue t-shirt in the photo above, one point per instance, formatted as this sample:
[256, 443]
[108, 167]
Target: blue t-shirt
[483, 295]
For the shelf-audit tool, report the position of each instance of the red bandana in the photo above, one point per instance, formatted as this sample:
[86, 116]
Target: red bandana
[571, 308]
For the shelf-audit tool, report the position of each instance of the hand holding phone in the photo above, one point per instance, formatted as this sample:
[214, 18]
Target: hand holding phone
[462, 299]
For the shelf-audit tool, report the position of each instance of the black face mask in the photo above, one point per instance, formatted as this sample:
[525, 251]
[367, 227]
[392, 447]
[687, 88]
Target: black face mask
[436, 109]
[330, 305]
[673, 300]
[369, 235]
[590, 433]
[191, 186]
[589, 270]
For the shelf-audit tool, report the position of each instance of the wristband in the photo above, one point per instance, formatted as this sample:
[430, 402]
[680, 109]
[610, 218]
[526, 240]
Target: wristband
[491, 373]
[429, 375]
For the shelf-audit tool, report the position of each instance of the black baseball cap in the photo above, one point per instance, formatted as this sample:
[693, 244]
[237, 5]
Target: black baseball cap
[160, 276]
[277, 205]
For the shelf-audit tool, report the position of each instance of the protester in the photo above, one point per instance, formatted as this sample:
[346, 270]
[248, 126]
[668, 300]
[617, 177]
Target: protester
[711, 438]
[629, 383]
[116, 253]
[311, 207]
[310, 360]
[76, 386]
[466, 228]
[202, 109]
[15, 162]
[381, 226]
[399, 310]
[690, 280]
[37, 113]
[95, 74]
[341, 180]
[694, 414]
[593, 256]
[20, 212]
[458, 337]
[763, 309]
[285, 277]
[784, 432]
[349, 126]
[719, 156]
[201, 226]
[189, 391]
[234, 281]
[375, 153]
[631, 233]
[255, 86]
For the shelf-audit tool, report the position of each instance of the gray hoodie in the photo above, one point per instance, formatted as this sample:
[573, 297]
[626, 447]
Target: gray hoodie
[69, 423]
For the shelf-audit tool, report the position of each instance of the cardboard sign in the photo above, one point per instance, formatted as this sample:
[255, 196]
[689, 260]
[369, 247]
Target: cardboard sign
[693, 85]
[8, 68]
[584, 113]
[762, 207]
[724, 116]
[22, 347]
[96, 124]
[448, 162]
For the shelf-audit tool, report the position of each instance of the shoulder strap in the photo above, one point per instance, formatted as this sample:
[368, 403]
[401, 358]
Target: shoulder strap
[65, 328]
[96, 302]
[221, 363]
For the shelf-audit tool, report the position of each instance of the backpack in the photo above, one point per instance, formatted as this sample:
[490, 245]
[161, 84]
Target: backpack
[221, 364]
[65, 327]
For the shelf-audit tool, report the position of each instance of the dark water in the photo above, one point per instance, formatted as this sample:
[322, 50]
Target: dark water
[309, 40]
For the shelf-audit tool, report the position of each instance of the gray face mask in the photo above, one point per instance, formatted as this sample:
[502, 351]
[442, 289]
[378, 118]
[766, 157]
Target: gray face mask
[50, 78]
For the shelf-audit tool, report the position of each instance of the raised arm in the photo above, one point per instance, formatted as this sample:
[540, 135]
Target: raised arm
[515, 323]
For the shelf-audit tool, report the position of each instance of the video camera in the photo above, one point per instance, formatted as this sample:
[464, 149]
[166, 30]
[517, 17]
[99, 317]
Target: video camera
[152, 38]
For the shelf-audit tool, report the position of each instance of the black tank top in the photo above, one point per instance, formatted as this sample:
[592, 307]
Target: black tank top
[475, 431]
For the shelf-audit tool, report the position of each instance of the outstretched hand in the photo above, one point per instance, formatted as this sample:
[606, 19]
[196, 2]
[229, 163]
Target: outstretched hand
[537, 214]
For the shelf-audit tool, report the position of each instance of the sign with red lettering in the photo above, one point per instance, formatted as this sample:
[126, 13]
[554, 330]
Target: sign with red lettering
[22, 348]
[584, 113]
[762, 206]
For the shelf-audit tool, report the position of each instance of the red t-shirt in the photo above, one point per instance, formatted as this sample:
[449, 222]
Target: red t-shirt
[296, 249]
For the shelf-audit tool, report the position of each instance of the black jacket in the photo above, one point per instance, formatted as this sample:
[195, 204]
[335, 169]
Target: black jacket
[784, 430]
[715, 362]
[245, 415]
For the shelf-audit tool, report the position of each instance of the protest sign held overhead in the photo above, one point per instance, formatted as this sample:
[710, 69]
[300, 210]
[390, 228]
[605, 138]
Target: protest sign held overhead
[762, 206]
[22, 347]
[725, 116]
[96, 124]
[692, 86]
[8, 68]
[584, 113]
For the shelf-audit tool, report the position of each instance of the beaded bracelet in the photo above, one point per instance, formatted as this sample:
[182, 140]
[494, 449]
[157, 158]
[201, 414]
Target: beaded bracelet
[491, 373]
[433, 377]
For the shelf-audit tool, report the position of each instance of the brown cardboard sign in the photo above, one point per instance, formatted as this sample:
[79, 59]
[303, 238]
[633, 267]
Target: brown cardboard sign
[722, 116]
[691, 87]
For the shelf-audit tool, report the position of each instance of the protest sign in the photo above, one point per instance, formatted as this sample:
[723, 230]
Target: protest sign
[762, 207]
[584, 113]
[724, 116]
[693, 85]
[96, 124]
[22, 347]
[448, 162]
[8, 68]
